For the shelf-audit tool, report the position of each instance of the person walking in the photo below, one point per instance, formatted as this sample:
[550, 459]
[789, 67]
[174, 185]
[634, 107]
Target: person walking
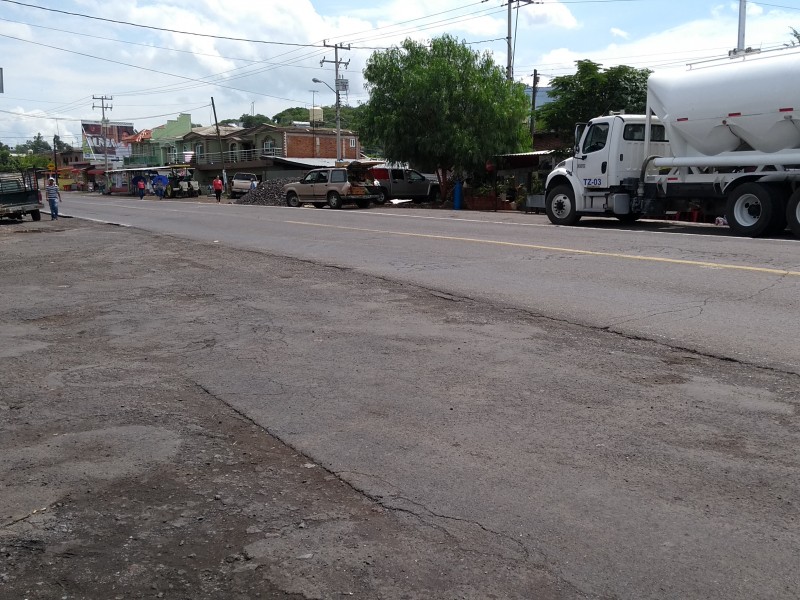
[140, 186]
[53, 197]
[217, 185]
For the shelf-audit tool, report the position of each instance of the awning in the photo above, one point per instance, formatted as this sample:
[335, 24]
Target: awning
[95, 172]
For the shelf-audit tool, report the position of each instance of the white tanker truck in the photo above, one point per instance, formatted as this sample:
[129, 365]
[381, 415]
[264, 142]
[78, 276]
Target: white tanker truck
[724, 139]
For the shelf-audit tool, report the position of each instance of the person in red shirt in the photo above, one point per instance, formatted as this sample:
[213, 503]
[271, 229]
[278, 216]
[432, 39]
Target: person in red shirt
[217, 184]
[140, 187]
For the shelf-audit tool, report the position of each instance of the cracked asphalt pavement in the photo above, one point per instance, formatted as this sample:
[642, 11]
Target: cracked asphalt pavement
[184, 420]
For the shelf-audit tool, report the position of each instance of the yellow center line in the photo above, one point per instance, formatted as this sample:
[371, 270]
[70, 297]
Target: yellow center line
[674, 261]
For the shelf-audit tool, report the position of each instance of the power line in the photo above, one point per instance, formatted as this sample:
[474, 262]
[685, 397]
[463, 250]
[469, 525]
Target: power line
[143, 68]
[117, 22]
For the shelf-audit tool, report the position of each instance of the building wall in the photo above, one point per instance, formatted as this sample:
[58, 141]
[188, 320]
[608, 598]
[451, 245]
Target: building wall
[301, 145]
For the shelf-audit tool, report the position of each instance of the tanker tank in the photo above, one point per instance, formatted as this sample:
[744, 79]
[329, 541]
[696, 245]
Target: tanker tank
[747, 103]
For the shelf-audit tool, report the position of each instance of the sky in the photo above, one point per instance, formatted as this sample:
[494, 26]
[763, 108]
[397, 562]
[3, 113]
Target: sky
[157, 59]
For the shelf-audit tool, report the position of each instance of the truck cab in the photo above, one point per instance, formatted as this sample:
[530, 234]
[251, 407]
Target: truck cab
[607, 163]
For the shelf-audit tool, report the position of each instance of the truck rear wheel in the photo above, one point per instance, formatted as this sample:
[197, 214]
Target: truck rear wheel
[752, 210]
[560, 206]
[334, 200]
[793, 212]
[36, 215]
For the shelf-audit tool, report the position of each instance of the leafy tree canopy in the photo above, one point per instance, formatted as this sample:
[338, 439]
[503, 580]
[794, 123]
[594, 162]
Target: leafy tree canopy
[248, 120]
[61, 146]
[442, 105]
[38, 145]
[348, 116]
[592, 92]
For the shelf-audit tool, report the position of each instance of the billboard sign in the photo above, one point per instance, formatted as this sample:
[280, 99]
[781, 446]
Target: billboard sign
[101, 140]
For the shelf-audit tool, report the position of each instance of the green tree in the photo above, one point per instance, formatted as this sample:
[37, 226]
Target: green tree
[60, 145]
[442, 106]
[285, 117]
[592, 92]
[38, 145]
[248, 120]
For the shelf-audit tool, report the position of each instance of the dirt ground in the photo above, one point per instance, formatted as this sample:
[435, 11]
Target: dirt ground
[121, 477]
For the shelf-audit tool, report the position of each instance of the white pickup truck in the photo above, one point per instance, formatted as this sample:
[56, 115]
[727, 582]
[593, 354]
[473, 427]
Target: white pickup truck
[241, 184]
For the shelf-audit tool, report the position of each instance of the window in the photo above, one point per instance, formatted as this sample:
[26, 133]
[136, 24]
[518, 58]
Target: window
[322, 177]
[596, 138]
[414, 176]
[397, 174]
[199, 151]
[352, 142]
[635, 132]
[269, 147]
[338, 176]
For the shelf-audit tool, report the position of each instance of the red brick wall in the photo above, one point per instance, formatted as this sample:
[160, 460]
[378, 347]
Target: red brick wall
[301, 145]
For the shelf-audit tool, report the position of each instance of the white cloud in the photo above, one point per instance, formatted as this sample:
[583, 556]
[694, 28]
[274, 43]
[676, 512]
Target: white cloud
[549, 37]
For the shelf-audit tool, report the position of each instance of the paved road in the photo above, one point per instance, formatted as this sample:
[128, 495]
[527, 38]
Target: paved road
[688, 287]
[618, 407]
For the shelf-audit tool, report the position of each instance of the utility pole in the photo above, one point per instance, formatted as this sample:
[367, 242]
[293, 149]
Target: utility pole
[55, 157]
[313, 122]
[510, 61]
[533, 103]
[103, 124]
[219, 143]
[339, 86]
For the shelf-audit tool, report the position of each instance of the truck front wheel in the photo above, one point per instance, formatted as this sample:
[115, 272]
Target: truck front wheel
[793, 212]
[752, 210]
[292, 200]
[560, 206]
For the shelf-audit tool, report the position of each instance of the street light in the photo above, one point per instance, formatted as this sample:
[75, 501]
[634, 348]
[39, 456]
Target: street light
[338, 123]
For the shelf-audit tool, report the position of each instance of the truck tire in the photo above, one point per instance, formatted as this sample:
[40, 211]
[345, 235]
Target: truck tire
[793, 212]
[435, 195]
[560, 206]
[292, 200]
[36, 215]
[362, 203]
[383, 196]
[334, 200]
[751, 210]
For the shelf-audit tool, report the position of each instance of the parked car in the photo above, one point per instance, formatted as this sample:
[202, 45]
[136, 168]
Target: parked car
[240, 184]
[404, 183]
[334, 186]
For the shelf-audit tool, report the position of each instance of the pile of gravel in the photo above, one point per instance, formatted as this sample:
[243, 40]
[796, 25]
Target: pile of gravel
[268, 193]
